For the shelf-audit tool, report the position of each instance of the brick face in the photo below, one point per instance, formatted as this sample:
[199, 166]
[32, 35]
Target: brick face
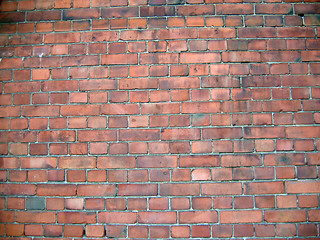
[159, 119]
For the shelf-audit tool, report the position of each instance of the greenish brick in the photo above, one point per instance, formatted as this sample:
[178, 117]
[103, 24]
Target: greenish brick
[35, 203]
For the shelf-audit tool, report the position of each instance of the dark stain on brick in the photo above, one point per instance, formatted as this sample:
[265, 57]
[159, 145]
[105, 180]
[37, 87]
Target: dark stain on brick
[247, 131]
[298, 59]
[284, 159]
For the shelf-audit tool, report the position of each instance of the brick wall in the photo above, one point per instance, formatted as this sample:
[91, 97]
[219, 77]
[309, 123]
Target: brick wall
[160, 119]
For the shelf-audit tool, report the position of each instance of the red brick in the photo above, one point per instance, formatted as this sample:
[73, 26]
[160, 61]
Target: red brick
[156, 161]
[201, 231]
[181, 175]
[117, 217]
[198, 217]
[181, 82]
[179, 189]
[159, 58]
[95, 231]
[285, 216]
[244, 230]
[53, 230]
[158, 203]
[180, 231]
[73, 231]
[201, 203]
[302, 132]
[284, 159]
[37, 176]
[96, 135]
[222, 146]
[265, 201]
[116, 162]
[240, 160]
[96, 190]
[117, 176]
[139, 135]
[18, 149]
[56, 190]
[308, 201]
[286, 230]
[267, 132]
[242, 174]
[15, 203]
[117, 231]
[264, 173]
[138, 231]
[221, 189]
[14, 229]
[140, 189]
[221, 174]
[17, 176]
[157, 217]
[33, 230]
[120, 109]
[159, 175]
[112, 59]
[76, 217]
[180, 147]
[264, 188]
[138, 176]
[265, 230]
[199, 161]
[97, 176]
[313, 215]
[307, 230]
[17, 189]
[180, 134]
[7, 216]
[286, 201]
[56, 175]
[241, 216]
[35, 217]
[221, 230]
[138, 71]
[201, 174]
[302, 187]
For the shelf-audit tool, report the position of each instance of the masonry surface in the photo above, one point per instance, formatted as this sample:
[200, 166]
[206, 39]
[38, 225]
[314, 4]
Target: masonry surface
[159, 119]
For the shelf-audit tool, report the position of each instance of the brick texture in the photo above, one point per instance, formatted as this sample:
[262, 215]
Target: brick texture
[159, 119]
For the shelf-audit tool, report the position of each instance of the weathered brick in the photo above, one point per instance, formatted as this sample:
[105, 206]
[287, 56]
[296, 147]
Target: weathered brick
[96, 135]
[157, 217]
[285, 216]
[56, 190]
[96, 190]
[264, 188]
[137, 189]
[303, 187]
[179, 189]
[221, 189]
[117, 217]
[36, 217]
[17, 189]
[157, 161]
[241, 216]
[76, 217]
[77, 162]
[56, 136]
[198, 217]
